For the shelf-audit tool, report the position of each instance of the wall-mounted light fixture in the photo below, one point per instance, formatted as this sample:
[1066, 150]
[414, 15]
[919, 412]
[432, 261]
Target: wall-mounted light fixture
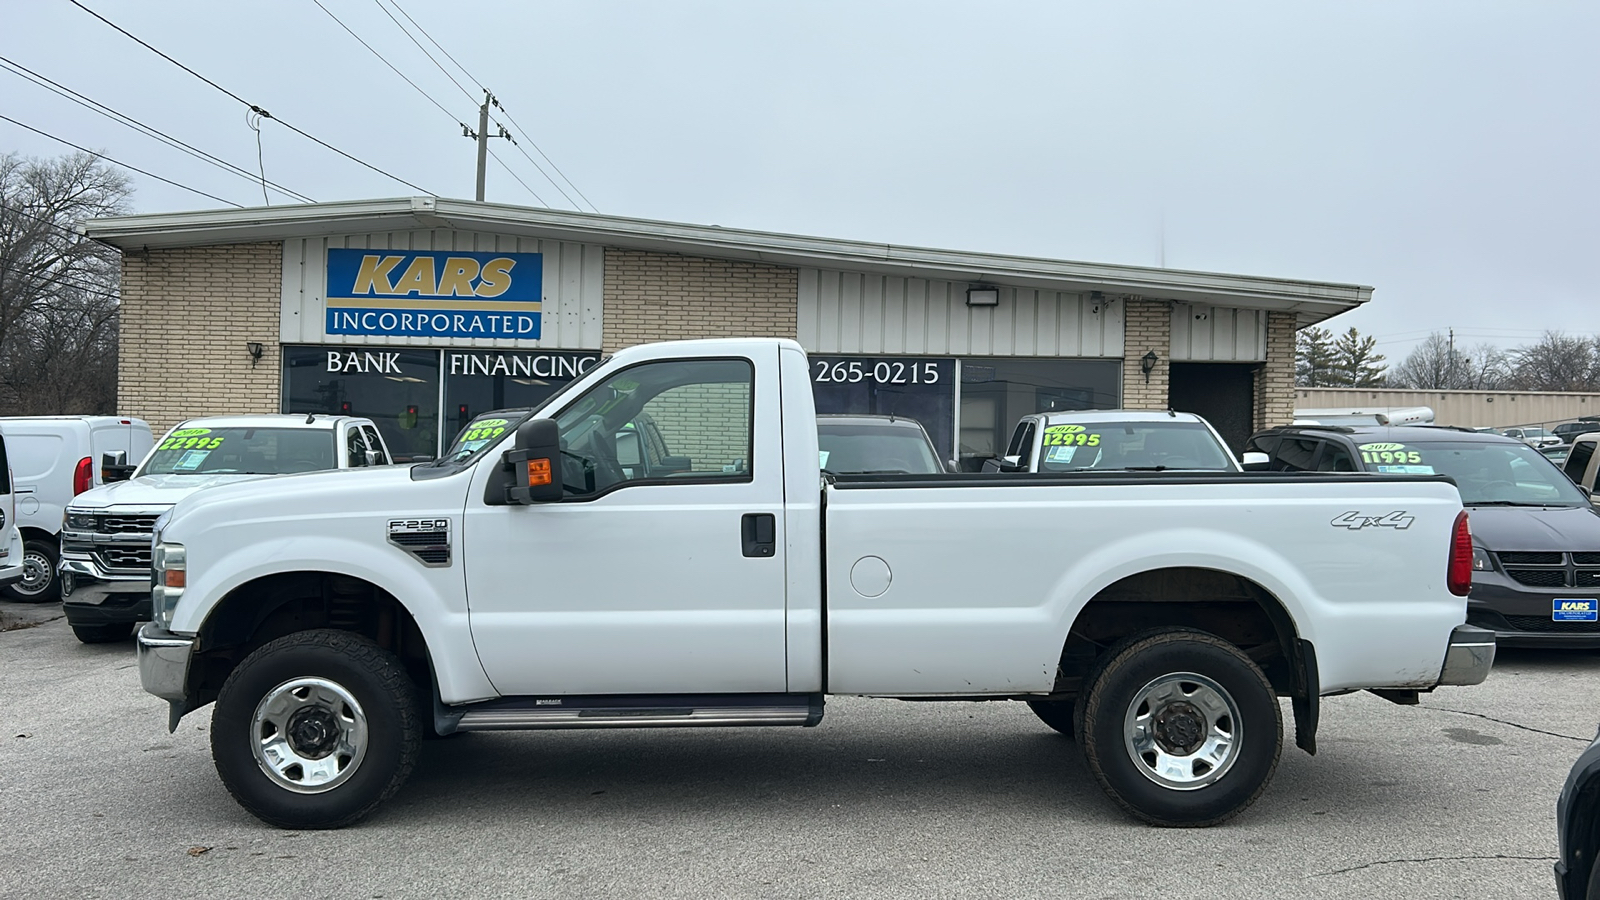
[1147, 364]
[254, 349]
[983, 295]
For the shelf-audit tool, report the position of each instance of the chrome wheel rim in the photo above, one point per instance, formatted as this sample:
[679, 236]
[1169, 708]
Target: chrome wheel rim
[36, 574]
[309, 735]
[1182, 731]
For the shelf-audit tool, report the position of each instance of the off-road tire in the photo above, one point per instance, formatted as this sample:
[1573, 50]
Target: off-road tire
[106, 633]
[1117, 678]
[371, 674]
[1058, 714]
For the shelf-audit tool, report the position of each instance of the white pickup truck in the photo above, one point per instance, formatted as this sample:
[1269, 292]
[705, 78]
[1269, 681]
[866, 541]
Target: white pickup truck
[105, 532]
[337, 618]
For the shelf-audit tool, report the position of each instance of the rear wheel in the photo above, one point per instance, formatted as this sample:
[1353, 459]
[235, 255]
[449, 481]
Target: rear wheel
[103, 634]
[1180, 728]
[315, 729]
[39, 583]
[1055, 713]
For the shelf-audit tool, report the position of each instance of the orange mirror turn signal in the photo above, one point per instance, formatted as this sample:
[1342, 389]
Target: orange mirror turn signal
[538, 472]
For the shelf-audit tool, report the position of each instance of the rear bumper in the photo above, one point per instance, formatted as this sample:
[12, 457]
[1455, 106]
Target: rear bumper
[1469, 656]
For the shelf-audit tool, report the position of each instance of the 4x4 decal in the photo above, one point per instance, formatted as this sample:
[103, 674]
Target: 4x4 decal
[1399, 520]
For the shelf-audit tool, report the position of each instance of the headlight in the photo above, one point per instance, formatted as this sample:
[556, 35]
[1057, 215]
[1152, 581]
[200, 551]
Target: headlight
[169, 574]
[1481, 561]
[80, 521]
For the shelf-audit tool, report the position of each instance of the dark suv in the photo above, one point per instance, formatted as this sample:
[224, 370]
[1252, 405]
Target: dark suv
[1536, 538]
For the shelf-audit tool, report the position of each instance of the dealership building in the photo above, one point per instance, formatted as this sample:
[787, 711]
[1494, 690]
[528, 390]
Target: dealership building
[422, 312]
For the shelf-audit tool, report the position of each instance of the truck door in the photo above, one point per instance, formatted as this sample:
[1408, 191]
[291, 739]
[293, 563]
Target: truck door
[643, 580]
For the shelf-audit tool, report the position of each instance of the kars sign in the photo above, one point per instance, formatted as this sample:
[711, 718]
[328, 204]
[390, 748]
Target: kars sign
[434, 294]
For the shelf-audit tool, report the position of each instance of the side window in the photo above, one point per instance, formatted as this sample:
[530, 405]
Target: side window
[1294, 455]
[1019, 436]
[1335, 458]
[619, 430]
[1578, 460]
[376, 445]
[1025, 450]
[356, 446]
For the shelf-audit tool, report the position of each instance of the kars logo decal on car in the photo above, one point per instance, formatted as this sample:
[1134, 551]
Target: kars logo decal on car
[1587, 610]
[1398, 520]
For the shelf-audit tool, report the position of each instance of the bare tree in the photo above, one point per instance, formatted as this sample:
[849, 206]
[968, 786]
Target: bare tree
[58, 289]
[1557, 362]
[1435, 365]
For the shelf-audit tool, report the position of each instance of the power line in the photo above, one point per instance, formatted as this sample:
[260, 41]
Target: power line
[430, 55]
[514, 123]
[425, 94]
[120, 163]
[253, 108]
[127, 121]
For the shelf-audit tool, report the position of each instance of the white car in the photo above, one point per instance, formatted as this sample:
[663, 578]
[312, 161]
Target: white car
[53, 459]
[1533, 436]
[11, 553]
[1114, 440]
[540, 581]
[105, 542]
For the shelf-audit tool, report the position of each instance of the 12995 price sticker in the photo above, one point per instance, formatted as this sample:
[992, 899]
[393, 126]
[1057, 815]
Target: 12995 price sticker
[880, 371]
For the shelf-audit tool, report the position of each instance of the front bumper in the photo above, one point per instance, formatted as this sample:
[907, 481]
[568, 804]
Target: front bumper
[1469, 656]
[164, 662]
[1520, 615]
[91, 595]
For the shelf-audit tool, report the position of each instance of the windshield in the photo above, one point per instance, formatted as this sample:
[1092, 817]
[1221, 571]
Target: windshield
[480, 433]
[856, 448]
[1131, 445]
[242, 451]
[1487, 474]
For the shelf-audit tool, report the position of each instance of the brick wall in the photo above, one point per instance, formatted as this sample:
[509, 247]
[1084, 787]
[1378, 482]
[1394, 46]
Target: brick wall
[1147, 326]
[187, 315]
[709, 423]
[1275, 378]
[663, 297]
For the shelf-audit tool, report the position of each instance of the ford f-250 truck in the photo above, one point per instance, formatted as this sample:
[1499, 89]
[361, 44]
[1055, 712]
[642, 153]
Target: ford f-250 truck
[337, 618]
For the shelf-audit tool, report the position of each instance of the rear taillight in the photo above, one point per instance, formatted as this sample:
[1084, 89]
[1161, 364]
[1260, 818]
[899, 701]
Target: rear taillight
[83, 478]
[1458, 577]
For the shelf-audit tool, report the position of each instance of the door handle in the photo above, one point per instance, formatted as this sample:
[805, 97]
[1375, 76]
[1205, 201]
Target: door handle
[759, 534]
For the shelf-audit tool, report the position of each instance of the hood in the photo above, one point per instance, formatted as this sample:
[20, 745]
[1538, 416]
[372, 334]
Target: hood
[153, 490]
[1535, 528]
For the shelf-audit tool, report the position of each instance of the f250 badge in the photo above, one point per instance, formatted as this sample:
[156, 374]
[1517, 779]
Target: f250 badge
[428, 540]
[1354, 521]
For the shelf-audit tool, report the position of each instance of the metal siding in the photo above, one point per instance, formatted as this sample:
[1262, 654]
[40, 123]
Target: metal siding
[1218, 334]
[848, 312]
[573, 289]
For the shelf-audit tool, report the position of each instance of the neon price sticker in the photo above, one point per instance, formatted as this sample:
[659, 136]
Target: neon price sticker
[1389, 454]
[485, 430]
[1069, 436]
[190, 439]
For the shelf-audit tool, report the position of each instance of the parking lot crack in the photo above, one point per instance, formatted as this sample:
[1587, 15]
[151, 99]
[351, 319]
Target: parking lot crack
[1431, 859]
[1462, 712]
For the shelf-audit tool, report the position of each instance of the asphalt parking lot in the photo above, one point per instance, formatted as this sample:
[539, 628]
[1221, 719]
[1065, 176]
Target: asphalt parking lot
[884, 799]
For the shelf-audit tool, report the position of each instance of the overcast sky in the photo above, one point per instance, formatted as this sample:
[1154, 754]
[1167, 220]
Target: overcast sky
[1444, 153]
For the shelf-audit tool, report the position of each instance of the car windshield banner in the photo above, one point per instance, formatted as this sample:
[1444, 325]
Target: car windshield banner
[434, 294]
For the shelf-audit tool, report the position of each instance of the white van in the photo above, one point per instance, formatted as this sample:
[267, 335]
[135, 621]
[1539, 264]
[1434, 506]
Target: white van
[53, 459]
[10, 538]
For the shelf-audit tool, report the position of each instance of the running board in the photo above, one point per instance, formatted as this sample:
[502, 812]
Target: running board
[646, 711]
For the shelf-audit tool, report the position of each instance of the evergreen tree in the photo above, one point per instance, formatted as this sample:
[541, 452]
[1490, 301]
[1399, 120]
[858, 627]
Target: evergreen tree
[1356, 361]
[1314, 357]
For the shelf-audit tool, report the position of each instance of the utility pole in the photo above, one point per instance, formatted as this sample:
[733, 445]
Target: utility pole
[482, 137]
[1450, 366]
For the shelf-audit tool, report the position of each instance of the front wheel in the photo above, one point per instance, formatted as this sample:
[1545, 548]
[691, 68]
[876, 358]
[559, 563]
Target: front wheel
[1180, 728]
[315, 729]
[38, 583]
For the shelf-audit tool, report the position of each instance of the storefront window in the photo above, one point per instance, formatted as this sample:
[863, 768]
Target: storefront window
[905, 387]
[479, 381]
[397, 389]
[997, 392]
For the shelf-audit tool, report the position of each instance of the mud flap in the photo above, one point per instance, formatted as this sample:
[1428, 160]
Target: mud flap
[1307, 697]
